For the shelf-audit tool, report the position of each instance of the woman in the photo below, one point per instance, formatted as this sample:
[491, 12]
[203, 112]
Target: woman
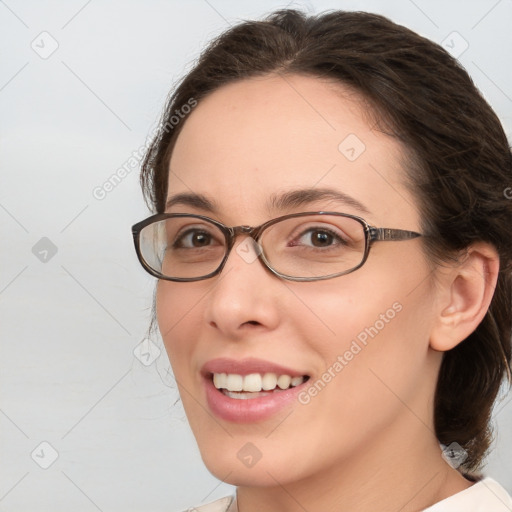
[345, 352]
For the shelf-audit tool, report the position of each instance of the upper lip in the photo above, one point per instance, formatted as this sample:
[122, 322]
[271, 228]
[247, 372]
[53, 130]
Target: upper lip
[246, 367]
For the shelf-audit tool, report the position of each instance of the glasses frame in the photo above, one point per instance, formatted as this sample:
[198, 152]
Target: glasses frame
[372, 234]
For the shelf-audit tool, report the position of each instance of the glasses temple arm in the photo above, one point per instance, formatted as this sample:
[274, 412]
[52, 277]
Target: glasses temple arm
[387, 234]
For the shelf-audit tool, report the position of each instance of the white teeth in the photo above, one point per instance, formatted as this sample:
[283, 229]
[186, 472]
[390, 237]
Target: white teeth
[234, 382]
[296, 381]
[219, 380]
[269, 381]
[254, 382]
[284, 381]
[245, 395]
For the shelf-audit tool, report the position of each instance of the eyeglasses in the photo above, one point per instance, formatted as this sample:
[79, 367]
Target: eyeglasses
[306, 246]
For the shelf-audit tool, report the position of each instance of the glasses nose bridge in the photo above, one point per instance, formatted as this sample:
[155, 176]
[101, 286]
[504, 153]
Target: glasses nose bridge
[243, 230]
[233, 233]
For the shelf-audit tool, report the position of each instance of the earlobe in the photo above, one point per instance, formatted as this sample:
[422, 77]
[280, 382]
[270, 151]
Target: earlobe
[464, 296]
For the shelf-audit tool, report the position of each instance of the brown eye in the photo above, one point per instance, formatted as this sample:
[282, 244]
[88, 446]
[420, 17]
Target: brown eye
[193, 238]
[318, 238]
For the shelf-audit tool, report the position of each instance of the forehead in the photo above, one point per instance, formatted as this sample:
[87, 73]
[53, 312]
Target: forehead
[260, 137]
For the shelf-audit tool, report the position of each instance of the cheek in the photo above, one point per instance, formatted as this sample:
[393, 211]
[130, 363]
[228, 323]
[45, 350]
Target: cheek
[371, 331]
[371, 372]
[177, 311]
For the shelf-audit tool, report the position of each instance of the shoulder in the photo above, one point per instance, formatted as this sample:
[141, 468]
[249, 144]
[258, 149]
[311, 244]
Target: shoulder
[486, 495]
[227, 504]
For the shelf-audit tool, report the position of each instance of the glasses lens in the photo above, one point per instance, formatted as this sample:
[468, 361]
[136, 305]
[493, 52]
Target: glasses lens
[182, 247]
[314, 245]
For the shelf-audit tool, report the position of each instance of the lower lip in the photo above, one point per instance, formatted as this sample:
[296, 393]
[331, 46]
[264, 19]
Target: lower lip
[249, 410]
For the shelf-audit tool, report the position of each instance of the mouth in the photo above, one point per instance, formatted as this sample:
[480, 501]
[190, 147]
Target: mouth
[254, 385]
[250, 390]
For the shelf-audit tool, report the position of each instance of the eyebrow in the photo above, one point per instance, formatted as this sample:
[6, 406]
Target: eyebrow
[303, 197]
[276, 202]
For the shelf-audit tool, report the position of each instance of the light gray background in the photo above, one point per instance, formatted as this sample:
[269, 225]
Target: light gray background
[70, 321]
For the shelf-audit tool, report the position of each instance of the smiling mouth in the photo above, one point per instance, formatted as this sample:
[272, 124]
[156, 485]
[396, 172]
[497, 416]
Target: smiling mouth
[254, 385]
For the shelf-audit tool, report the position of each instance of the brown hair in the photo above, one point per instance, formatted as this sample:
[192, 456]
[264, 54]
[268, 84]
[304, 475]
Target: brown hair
[459, 165]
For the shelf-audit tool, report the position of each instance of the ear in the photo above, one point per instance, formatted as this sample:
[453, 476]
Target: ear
[464, 294]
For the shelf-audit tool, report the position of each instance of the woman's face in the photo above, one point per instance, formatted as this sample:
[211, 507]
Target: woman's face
[362, 338]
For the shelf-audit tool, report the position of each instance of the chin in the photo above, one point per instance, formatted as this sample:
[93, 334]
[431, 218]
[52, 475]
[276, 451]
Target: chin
[240, 462]
[234, 473]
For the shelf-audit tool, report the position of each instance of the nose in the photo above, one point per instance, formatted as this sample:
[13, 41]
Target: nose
[245, 296]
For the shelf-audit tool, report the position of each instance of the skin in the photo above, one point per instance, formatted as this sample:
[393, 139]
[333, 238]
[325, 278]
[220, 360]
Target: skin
[366, 441]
